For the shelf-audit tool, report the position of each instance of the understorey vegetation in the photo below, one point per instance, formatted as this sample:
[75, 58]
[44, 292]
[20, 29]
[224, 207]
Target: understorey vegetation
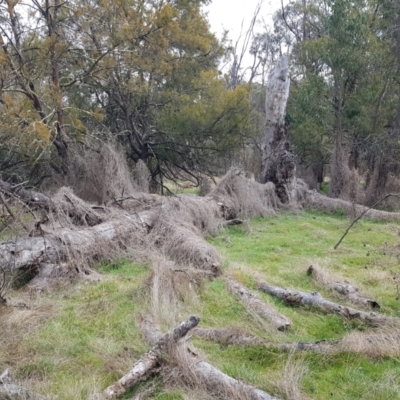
[165, 235]
[75, 338]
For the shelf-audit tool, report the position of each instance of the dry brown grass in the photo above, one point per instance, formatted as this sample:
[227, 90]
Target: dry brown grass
[245, 198]
[288, 384]
[375, 344]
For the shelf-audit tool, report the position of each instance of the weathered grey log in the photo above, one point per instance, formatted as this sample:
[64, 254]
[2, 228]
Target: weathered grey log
[229, 337]
[9, 391]
[252, 301]
[317, 201]
[351, 293]
[149, 362]
[54, 248]
[278, 165]
[216, 381]
[345, 289]
[292, 297]
[213, 378]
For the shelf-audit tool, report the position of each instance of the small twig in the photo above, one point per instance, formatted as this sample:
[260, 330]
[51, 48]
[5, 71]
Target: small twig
[19, 184]
[362, 214]
[3, 200]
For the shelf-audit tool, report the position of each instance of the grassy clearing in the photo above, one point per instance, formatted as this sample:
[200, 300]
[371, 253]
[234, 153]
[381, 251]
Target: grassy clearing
[67, 344]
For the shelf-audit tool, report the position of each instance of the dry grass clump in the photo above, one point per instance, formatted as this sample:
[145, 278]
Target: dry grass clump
[289, 383]
[101, 173]
[172, 290]
[245, 198]
[325, 278]
[179, 229]
[376, 345]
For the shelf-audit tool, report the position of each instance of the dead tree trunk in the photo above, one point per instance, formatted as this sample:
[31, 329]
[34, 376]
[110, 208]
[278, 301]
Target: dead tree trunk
[151, 360]
[205, 374]
[350, 292]
[253, 302]
[278, 164]
[292, 297]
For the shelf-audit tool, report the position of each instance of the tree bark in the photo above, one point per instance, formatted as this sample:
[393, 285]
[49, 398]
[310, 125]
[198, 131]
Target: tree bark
[296, 298]
[214, 379]
[232, 337]
[151, 360]
[278, 164]
[252, 301]
[345, 289]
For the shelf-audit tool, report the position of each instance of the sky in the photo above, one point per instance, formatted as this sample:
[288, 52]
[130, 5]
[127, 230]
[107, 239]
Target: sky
[229, 14]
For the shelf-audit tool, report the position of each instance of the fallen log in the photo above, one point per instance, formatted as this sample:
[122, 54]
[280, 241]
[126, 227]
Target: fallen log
[317, 201]
[212, 378]
[229, 337]
[150, 361]
[10, 391]
[216, 381]
[292, 297]
[345, 289]
[253, 302]
[52, 248]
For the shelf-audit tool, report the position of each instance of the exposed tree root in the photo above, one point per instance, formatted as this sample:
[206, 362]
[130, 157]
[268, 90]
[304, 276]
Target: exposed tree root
[292, 297]
[345, 289]
[253, 302]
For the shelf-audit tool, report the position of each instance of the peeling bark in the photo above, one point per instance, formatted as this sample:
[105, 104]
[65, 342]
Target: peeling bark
[252, 301]
[295, 298]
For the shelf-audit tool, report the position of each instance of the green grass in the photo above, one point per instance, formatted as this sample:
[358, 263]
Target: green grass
[91, 337]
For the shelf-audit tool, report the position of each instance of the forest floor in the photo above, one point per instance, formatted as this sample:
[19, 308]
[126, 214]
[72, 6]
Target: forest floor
[78, 337]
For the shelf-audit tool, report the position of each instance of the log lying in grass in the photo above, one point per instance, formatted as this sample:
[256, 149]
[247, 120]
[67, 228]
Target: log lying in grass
[9, 391]
[317, 201]
[150, 361]
[345, 289]
[292, 297]
[216, 381]
[209, 376]
[229, 337]
[15, 392]
[53, 248]
[253, 302]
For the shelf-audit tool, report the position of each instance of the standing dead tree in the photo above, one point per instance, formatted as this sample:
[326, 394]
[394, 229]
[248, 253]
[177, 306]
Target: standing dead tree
[278, 165]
